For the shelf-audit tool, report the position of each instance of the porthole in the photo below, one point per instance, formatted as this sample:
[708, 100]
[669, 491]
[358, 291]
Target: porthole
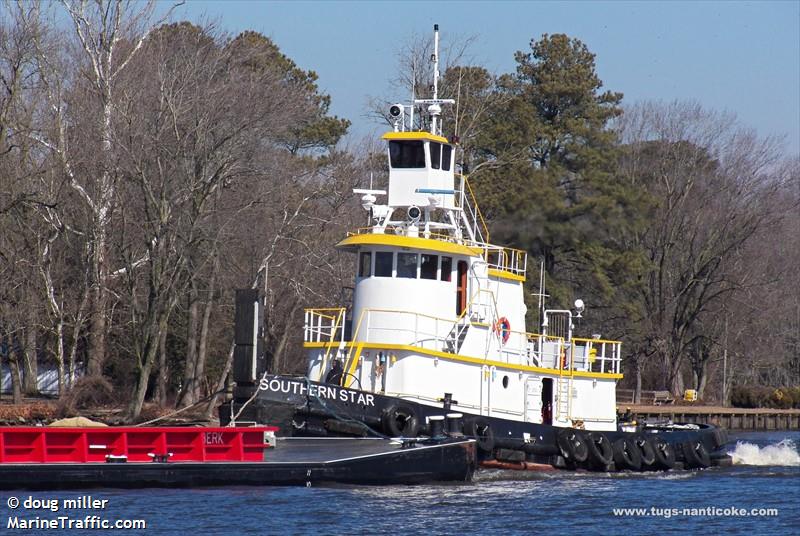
[505, 382]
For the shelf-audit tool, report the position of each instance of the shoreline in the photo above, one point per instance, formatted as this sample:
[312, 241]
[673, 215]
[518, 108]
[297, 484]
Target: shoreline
[733, 419]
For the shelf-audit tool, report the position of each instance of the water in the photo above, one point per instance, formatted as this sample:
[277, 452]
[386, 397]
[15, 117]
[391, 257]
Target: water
[766, 475]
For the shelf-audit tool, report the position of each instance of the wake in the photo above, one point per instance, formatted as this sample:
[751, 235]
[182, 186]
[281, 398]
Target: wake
[783, 453]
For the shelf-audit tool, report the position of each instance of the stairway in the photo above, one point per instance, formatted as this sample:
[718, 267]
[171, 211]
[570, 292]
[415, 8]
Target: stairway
[456, 337]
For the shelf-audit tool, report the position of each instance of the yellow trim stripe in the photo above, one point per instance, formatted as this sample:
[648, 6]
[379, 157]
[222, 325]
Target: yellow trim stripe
[373, 239]
[420, 135]
[502, 274]
[466, 359]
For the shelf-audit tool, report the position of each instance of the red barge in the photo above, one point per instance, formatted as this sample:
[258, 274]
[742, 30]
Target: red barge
[69, 458]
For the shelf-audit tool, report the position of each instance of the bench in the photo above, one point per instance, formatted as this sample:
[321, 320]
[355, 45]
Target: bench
[662, 397]
[646, 398]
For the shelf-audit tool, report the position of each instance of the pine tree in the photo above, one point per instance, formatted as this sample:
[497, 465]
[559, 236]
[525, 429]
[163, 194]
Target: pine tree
[553, 189]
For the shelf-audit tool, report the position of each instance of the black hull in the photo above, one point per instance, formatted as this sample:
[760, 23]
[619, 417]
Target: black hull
[334, 411]
[304, 462]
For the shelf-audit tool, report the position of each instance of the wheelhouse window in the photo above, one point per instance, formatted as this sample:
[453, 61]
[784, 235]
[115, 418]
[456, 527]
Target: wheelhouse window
[446, 272]
[427, 266]
[436, 154]
[365, 264]
[407, 154]
[447, 155]
[383, 263]
[407, 265]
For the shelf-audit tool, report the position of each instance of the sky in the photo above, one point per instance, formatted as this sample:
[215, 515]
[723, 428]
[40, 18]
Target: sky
[740, 57]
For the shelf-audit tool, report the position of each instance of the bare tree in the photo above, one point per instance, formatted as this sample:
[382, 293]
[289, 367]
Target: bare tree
[712, 184]
[109, 34]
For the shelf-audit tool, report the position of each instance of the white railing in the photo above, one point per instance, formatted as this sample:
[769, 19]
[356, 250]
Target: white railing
[324, 325]
[442, 335]
[597, 355]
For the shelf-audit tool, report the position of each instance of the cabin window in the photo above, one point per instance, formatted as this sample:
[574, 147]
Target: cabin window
[407, 265]
[436, 154]
[446, 273]
[383, 263]
[407, 154]
[365, 264]
[427, 267]
[447, 155]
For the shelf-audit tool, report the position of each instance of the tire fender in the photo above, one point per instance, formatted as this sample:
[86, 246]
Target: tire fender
[600, 451]
[481, 430]
[400, 420]
[696, 454]
[626, 455]
[646, 450]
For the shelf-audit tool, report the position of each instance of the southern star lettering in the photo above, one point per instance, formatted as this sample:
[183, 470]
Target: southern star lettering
[323, 391]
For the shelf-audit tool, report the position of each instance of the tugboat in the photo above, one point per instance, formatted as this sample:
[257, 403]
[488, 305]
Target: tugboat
[434, 341]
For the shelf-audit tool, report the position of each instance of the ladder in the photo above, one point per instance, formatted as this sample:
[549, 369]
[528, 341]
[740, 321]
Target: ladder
[564, 394]
[471, 216]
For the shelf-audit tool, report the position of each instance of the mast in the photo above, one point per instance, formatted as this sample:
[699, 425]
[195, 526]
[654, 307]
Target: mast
[435, 113]
[435, 103]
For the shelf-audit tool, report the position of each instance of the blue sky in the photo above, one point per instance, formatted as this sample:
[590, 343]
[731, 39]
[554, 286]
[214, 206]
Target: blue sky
[742, 57]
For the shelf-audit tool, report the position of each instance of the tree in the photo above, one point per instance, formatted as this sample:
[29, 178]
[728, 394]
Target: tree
[20, 166]
[715, 190]
[313, 130]
[108, 34]
[549, 183]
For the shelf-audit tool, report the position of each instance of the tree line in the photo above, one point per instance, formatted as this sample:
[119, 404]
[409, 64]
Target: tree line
[149, 168]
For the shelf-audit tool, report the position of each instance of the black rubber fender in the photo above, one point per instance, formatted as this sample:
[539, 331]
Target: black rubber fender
[572, 445]
[480, 429]
[646, 450]
[626, 455]
[720, 437]
[400, 420]
[696, 454]
[665, 454]
[600, 451]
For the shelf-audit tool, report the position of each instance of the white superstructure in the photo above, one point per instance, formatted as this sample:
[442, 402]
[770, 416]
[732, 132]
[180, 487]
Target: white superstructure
[437, 308]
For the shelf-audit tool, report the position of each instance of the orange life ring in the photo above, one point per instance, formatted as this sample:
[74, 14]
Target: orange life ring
[503, 327]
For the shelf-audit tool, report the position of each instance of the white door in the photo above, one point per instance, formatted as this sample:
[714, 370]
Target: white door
[533, 400]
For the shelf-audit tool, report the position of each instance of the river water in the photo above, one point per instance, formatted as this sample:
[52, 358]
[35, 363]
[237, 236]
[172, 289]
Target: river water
[760, 494]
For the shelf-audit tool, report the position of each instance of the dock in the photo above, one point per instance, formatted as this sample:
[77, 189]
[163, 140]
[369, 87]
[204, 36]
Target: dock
[745, 419]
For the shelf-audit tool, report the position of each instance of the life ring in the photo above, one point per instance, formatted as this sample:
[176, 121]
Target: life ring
[400, 420]
[503, 328]
[481, 430]
[696, 454]
[626, 455]
[572, 445]
[646, 450]
[600, 450]
[665, 455]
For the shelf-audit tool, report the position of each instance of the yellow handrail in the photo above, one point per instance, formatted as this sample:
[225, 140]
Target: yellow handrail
[329, 346]
[350, 359]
